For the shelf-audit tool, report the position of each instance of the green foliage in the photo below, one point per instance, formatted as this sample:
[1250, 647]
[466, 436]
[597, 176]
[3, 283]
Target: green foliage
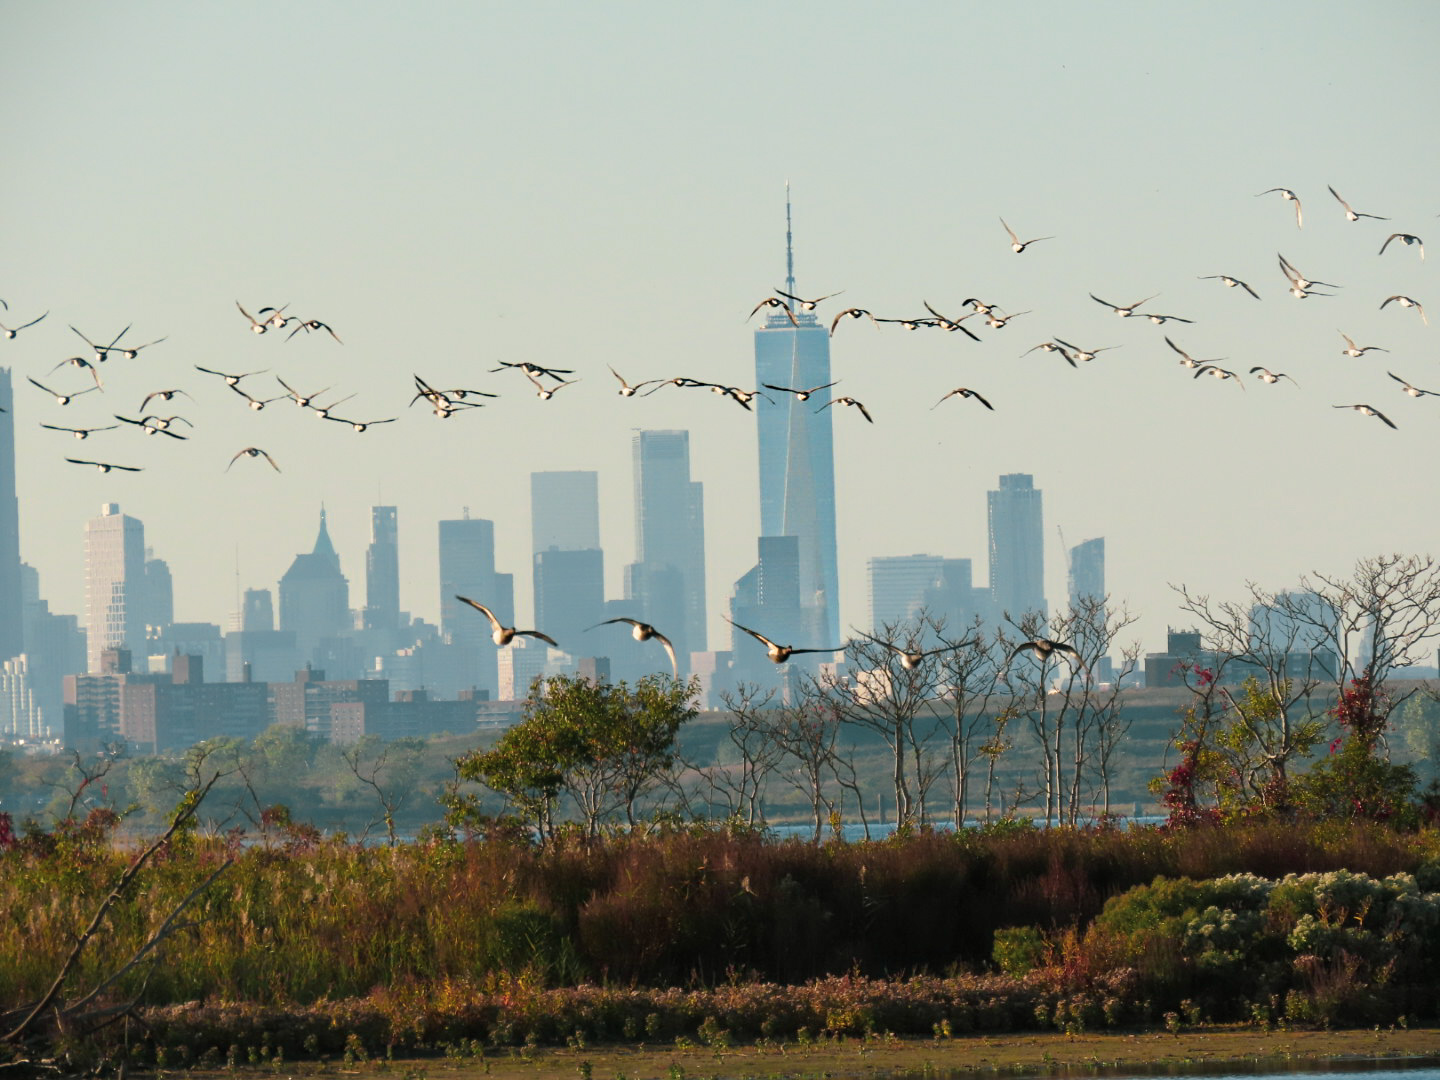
[1018, 950]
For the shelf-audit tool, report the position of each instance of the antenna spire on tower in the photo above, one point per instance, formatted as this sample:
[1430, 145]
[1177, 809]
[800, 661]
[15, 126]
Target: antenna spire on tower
[789, 249]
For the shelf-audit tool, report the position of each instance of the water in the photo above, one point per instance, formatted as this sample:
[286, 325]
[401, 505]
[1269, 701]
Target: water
[1340, 1069]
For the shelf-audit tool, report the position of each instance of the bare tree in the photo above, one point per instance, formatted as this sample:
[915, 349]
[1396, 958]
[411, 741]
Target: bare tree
[389, 770]
[752, 737]
[969, 679]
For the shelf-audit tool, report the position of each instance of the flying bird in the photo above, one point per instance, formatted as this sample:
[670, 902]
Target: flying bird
[1353, 215]
[311, 324]
[1413, 391]
[1288, 196]
[643, 631]
[778, 654]
[9, 332]
[1366, 410]
[1405, 301]
[1406, 238]
[775, 302]
[102, 350]
[946, 323]
[62, 399]
[910, 659]
[323, 411]
[800, 395]
[80, 362]
[1299, 283]
[963, 392]
[103, 466]
[806, 305]
[253, 451]
[1218, 372]
[1158, 319]
[545, 393]
[503, 635]
[303, 400]
[146, 426]
[130, 352]
[1186, 360]
[1352, 349]
[1044, 648]
[1015, 243]
[256, 325]
[1083, 354]
[230, 380]
[852, 312]
[255, 403]
[1120, 309]
[1268, 376]
[80, 433]
[1230, 282]
[163, 395]
[626, 389]
[847, 401]
[361, 425]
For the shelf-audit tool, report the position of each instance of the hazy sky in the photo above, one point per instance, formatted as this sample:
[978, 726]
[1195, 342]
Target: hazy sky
[453, 184]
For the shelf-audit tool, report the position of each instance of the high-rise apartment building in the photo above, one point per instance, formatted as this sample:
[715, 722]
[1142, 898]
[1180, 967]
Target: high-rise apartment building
[667, 579]
[1017, 547]
[797, 454]
[158, 597]
[467, 568]
[382, 571]
[565, 511]
[12, 636]
[114, 584]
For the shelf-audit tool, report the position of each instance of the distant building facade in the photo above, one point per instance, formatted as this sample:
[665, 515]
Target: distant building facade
[114, 585]
[1017, 547]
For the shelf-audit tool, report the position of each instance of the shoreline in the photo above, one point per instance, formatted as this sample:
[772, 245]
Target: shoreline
[1198, 1051]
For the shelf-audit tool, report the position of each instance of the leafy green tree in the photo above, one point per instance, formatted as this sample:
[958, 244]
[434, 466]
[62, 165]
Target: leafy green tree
[1356, 781]
[603, 745]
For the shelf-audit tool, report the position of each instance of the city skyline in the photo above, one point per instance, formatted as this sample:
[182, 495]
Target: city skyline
[641, 233]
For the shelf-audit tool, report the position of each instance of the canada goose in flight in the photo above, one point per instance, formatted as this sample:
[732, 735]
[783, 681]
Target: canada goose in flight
[323, 411]
[534, 370]
[253, 451]
[503, 635]
[1268, 376]
[1044, 346]
[1288, 196]
[775, 302]
[256, 326]
[684, 382]
[847, 401]
[1218, 372]
[1229, 282]
[742, 397]
[130, 352]
[1159, 319]
[800, 395]
[80, 362]
[545, 393]
[103, 466]
[300, 399]
[80, 432]
[62, 399]
[1413, 391]
[163, 422]
[1366, 410]
[1186, 360]
[996, 321]
[313, 324]
[853, 312]
[1121, 310]
[980, 306]
[361, 425]
[1044, 648]
[163, 395]
[230, 380]
[964, 392]
[643, 631]
[1350, 214]
[1352, 349]
[1015, 243]
[1406, 238]
[276, 319]
[255, 403]
[9, 332]
[910, 324]
[1300, 285]
[146, 426]
[947, 323]
[778, 654]
[805, 305]
[910, 660]
[1405, 301]
[101, 351]
[1083, 354]
[627, 389]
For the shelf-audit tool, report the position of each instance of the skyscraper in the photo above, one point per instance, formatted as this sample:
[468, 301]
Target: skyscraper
[467, 568]
[667, 579]
[382, 571]
[12, 638]
[158, 599]
[315, 596]
[767, 599]
[797, 454]
[114, 584]
[1087, 571]
[1017, 547]
[898, 588]
[564, 511]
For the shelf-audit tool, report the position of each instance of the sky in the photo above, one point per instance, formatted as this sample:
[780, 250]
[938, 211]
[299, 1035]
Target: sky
[450, 185]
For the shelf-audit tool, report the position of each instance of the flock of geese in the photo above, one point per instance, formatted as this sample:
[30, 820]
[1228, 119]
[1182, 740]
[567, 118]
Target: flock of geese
[256, 389]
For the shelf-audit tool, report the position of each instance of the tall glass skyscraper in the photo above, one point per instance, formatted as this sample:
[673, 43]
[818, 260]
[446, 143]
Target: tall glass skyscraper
[667, 579]
[467, 568]
[382, 571]
[11, 621]
[1017, 547]
[797, 455]
[114, 585]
